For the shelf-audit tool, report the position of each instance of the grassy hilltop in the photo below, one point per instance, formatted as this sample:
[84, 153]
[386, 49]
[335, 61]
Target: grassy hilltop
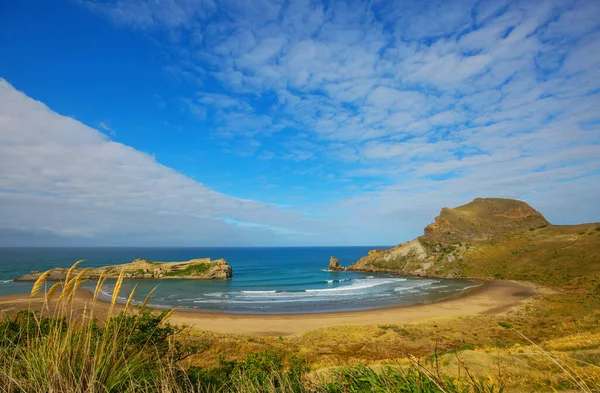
[496, 238]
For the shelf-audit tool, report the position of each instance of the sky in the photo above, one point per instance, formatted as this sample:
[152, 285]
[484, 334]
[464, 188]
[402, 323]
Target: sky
[290, 123]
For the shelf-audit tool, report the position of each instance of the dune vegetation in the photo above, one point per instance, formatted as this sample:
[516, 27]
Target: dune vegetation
[537, 348]
[549, 343]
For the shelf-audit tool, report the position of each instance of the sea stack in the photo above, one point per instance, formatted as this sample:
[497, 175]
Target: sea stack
[334, 264]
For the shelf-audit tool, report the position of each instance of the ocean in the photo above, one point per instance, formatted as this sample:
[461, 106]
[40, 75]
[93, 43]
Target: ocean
[282, 280]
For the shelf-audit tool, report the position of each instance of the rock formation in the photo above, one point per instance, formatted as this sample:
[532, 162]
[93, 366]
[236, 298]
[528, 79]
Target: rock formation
[202, 268]
[483, 219]
[334, 265]
[452, 236]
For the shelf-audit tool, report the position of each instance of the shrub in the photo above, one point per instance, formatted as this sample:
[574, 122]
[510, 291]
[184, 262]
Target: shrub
[71, 351]
[261, 371]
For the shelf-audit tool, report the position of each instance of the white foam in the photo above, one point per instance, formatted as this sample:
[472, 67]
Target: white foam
[472, 286]
[214, 294]
[258, 292]
[358, 284]
[304, 294]
[340, 280]
[402, 289]
[5, 281]
[305, 299]
[106, 295]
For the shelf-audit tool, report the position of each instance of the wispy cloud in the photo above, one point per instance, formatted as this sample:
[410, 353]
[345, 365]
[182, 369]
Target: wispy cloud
[399, 107]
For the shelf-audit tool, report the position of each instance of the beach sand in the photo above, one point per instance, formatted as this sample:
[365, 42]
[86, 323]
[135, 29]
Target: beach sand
[492, 298]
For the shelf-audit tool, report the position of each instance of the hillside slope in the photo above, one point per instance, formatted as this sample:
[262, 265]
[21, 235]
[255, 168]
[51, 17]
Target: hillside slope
[496, 238]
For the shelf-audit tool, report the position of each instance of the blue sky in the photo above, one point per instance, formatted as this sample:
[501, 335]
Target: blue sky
[195, 122]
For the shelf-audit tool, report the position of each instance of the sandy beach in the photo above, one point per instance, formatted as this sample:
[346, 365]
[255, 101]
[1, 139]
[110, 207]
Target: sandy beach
[492, 297]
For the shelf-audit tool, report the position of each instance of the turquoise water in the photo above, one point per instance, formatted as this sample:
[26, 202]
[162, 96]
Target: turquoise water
[265, 280]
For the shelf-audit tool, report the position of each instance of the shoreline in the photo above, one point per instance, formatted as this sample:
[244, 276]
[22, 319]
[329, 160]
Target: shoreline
[465, 292]
[489, 298]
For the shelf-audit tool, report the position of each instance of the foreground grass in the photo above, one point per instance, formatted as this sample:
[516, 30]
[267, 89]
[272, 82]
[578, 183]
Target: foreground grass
[138, 350]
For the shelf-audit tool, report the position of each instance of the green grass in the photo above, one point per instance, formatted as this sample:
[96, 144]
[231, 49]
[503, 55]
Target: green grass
[138, 351]
[196, 269]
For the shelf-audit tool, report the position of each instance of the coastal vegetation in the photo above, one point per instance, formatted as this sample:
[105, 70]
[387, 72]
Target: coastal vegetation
[493, 238]
[199, 268]
[550, 343]
[140, 351]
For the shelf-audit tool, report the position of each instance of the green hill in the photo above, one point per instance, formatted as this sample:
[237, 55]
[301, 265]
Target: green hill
[496, 238]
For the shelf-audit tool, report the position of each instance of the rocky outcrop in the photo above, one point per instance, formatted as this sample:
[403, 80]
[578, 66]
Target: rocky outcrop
[453, 235]
[334, 265]
[201, 268]
[406, 257]
[483, 219]
[219, 270]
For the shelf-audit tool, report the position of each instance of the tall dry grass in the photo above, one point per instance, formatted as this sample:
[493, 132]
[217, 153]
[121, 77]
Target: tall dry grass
[70, 351]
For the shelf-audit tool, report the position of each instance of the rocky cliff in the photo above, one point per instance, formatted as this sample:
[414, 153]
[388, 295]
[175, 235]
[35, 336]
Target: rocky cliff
[334, 264]
[201, 268]
[448, 244]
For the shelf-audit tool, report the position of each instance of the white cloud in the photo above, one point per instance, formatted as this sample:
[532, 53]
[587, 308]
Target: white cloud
[436, 101]
[66, 178]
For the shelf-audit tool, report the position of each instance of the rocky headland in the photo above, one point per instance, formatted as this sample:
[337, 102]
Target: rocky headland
[492, 238]
[201, 268]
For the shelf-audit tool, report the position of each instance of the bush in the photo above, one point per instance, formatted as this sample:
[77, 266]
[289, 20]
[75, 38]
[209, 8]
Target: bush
[71, 351]
[262, 371]
[395, 379]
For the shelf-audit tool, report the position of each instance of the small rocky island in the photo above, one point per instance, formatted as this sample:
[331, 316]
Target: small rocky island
[334, 265]
[200, 268]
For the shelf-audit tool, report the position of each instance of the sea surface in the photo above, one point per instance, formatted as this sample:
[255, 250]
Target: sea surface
[265, 280]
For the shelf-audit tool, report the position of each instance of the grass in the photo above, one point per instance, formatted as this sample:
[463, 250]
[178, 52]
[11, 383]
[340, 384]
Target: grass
[552, 344]
[140, 351]
[192, 270]
[554, 255]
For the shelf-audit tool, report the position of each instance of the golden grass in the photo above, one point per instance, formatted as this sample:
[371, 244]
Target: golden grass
[559, 347]
[38, 283]
[116, 291]
[149, 296]
[75, 355]
[574, 342]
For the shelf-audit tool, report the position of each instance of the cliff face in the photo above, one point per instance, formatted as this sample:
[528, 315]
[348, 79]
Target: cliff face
[334, 264]
[202, 268]
[447, 243]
